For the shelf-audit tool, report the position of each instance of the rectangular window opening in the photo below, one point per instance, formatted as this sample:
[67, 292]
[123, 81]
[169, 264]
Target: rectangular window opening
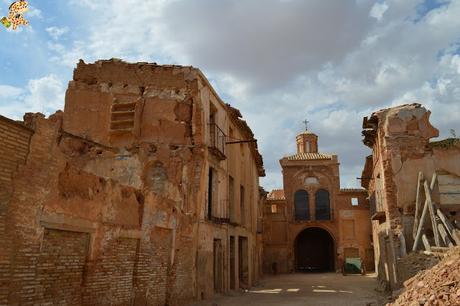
[354, 202]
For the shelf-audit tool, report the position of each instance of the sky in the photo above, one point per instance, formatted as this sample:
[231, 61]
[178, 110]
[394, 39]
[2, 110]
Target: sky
[280, 62]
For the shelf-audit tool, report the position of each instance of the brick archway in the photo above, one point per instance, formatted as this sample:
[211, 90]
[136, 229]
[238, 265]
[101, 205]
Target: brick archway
[314, 250]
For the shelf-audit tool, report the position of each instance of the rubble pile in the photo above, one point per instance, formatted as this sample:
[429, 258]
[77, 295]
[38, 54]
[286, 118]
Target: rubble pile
[439, 285]
[410, 265]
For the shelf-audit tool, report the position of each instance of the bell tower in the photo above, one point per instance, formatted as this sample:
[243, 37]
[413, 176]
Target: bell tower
[307, 142]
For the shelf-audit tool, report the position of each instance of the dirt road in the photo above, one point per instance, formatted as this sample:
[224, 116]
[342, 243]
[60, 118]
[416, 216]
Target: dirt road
[306, 289]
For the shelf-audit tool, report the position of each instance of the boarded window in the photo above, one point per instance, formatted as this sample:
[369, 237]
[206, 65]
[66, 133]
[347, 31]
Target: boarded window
[323, 207]
[274, 209]
[301, 205]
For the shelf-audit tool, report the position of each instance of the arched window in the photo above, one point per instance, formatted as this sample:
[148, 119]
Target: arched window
[302, 211]
[322, 207]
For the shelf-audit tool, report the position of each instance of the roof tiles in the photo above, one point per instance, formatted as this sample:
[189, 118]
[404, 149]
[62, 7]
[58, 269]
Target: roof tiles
[310, 156]
[276, 194]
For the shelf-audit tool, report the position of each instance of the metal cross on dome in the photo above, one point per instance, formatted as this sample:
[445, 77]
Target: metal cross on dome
[306, 122]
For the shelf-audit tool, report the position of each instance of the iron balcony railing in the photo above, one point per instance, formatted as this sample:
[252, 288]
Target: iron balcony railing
[217, 140]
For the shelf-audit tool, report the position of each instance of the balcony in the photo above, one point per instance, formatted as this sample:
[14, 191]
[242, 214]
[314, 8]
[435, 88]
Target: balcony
[217, 141]
[376, 209]
[219, 214]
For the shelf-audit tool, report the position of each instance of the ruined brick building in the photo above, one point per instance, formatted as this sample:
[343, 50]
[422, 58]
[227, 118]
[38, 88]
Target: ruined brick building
[144, 191]
[311, 224]
[402, 154]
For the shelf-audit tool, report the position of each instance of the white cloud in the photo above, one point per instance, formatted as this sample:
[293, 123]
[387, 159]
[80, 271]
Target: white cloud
[7, 92]
[44, 95]
[378, 10]
[281, 61]
[34, 12]
[57, 32]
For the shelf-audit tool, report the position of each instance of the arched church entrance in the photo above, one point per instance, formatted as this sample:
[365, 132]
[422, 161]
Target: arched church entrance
[314, 250]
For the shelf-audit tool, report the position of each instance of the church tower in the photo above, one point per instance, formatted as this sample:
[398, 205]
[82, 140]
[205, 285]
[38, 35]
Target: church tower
[307, 142]
[311, 224]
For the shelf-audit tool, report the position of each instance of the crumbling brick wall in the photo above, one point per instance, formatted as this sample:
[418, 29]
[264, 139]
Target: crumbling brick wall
[400, 140]
[114, 188]
[128, 192]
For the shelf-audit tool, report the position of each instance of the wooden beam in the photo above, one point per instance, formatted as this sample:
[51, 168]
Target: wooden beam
[417, 204]
[425, 210]
[426, 243]
[444, 236]
[449, 227]
[420, 226]
[431, 209]
[439, 249]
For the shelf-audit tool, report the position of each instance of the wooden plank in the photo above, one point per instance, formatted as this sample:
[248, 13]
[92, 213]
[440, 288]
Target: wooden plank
[439, 249]
[417, 203]
[449, 188]
[420, 226]
[444, 236]
[426, 243]
[448, 179]
[449, 227]
[434, 178]
[431, 210]
[449, 198]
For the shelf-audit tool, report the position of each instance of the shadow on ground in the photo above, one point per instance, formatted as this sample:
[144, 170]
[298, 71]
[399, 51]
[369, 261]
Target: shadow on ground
[306, 289]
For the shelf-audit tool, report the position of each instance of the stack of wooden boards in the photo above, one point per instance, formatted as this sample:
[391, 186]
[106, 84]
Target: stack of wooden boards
[444, 231]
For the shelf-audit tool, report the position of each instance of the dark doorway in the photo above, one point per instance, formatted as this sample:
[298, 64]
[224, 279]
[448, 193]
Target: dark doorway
[218, 266]
[232, 263]
[243, 268]
[314, 251]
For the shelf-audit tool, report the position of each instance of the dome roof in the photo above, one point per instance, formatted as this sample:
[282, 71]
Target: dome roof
[307, 132]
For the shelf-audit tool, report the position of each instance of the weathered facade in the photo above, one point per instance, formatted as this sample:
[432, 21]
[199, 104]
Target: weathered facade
[132, 195]
[400, 141]
[311, 224]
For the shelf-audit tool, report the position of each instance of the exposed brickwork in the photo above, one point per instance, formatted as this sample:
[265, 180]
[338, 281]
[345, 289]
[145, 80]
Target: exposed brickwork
[182, 278]
[161, 263]
[60, 267]
[14, 147]
[14, 138]
[109, 279]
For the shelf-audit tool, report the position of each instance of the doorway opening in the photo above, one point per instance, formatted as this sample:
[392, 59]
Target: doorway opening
[314, 251]
[232, 263]
[243, 265]
[218, 266]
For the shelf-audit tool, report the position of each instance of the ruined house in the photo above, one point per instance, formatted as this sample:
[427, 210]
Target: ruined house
[144, 191]
[402, 155]
[312, 224]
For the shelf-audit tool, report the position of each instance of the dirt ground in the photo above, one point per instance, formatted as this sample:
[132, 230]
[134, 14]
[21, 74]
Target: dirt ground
[306, 289]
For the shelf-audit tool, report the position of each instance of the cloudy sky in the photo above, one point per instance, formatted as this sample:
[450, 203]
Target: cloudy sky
[278, 61]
